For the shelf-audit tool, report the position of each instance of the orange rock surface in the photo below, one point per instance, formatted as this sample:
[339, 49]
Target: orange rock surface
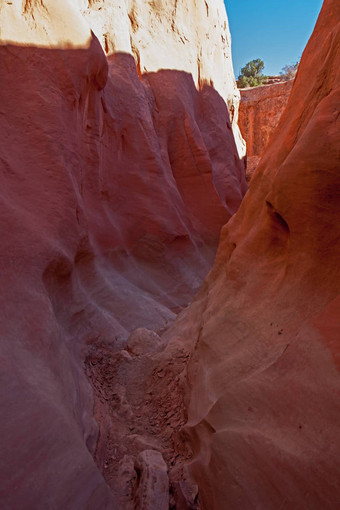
[263, 378]
[260, 111]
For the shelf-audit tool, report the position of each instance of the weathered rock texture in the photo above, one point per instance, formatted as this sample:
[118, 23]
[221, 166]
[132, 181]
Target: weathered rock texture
[173, 34]
[184, 36]
[260, 111]
[263, 378]
[116, 179]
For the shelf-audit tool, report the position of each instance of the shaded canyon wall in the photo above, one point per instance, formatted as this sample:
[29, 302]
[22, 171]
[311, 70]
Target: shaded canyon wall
[116, 179]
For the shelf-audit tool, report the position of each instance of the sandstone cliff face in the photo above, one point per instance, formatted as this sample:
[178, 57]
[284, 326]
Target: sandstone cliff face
[260, 111]
[185, 36]
[116, 180]
[173, 34]
[263, 379]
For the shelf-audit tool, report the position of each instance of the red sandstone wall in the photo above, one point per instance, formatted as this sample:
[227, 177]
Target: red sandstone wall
[114, 190]
[263, 378]
[260, 111]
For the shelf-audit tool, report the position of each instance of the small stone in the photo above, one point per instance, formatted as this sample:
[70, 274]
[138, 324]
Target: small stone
[143, 341]
[153, 489]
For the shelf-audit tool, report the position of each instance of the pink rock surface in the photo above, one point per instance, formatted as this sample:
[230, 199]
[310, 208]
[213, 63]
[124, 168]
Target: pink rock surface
[114, 189]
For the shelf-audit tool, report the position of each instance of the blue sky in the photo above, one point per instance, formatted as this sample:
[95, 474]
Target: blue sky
[276, 31]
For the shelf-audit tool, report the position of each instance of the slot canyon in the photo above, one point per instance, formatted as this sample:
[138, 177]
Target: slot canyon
[170, 334]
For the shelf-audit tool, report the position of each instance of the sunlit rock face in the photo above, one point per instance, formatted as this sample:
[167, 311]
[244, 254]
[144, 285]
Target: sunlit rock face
[263, 380]
[116, 179]
[260, 112]
[171, 34]
[163, 34]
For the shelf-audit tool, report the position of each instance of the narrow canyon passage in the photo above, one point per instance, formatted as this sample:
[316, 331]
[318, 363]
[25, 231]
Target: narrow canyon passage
[169, 338]
[116, 180]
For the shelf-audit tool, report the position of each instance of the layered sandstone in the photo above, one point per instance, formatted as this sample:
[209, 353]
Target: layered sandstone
[260, 112]
[116, 179]
[263, 379]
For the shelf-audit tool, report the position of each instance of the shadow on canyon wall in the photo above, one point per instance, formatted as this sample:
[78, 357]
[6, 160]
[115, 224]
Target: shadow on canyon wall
[114, 190]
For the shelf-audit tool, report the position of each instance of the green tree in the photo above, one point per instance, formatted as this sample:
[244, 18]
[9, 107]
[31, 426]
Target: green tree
[251, 74]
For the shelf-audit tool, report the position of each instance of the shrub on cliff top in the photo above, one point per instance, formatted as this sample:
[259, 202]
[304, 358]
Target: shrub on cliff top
[251, 74]
[288, 72]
